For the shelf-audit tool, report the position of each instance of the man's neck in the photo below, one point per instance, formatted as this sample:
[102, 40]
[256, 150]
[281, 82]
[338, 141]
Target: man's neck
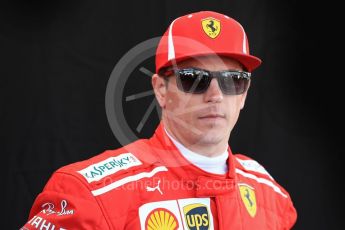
[207, 150]
[216, 164]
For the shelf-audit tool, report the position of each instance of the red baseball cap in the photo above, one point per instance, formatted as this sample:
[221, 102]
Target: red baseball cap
[204, 33]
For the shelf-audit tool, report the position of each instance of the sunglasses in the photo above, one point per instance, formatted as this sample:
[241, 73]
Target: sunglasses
[197, 81]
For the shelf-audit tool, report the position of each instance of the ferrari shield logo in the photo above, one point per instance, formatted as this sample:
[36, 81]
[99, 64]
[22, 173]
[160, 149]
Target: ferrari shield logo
[211, 27]
[248, 198]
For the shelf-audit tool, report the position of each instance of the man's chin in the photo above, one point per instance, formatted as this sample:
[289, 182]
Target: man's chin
[210, 139]
[215, 134]
[213, 126]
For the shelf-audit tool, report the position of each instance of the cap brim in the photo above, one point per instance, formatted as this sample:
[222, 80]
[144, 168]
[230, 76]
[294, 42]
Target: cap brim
[250, 62]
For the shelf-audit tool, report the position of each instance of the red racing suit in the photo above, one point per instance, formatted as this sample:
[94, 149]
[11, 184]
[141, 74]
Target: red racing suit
[148, 184]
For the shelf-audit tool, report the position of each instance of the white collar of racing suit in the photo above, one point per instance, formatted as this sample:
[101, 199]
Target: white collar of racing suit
[217, 165]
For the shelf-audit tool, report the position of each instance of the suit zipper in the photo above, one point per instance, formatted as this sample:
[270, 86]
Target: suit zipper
[219, 213]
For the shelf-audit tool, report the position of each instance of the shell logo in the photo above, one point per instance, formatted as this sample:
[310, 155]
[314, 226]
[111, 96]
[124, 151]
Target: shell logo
[161, 219]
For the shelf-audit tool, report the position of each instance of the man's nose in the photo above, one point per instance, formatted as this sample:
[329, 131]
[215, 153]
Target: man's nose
[213, 93]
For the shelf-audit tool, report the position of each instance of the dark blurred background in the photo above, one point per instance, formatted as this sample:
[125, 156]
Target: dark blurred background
[56, 59]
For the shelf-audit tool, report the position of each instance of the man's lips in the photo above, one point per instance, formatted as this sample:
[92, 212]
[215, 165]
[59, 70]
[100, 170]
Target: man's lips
[212, 116]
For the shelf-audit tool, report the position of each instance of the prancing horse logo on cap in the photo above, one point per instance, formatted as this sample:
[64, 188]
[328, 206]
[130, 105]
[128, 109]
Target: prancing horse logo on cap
[211, 27]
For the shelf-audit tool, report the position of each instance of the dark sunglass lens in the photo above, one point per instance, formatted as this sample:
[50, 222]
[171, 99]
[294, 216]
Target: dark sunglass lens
[233, 84]
[193, 80]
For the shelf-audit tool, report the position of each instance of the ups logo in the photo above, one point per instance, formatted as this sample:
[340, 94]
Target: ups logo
[197, 216]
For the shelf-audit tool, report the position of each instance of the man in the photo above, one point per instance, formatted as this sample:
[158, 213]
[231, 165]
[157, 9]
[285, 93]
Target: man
[185, 176]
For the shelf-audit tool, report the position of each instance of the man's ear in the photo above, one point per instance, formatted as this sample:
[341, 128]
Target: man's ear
[244, 96]
[159, 86]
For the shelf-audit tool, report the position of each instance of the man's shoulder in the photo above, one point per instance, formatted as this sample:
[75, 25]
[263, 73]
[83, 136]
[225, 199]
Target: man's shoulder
[248, 169]
[111, 164]
[245, 164]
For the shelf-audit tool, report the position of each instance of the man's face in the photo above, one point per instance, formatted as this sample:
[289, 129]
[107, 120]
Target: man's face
[199, 119]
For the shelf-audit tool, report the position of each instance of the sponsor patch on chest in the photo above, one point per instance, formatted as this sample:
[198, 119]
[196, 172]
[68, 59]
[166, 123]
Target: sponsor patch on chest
[191, 213]
[109, 166]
